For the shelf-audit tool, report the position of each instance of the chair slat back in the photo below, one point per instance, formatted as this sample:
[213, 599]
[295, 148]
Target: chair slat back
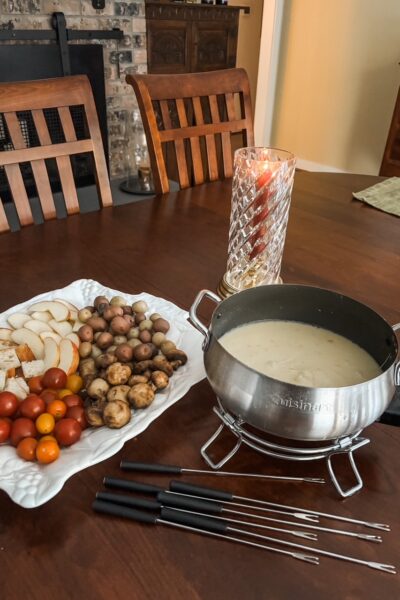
[25, 108]
[197, 113]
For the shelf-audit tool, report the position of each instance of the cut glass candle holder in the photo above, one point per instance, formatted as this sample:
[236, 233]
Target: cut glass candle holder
[261, 192]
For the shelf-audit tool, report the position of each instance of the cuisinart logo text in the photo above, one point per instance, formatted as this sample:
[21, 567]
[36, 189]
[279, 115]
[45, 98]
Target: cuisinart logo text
[302, 405]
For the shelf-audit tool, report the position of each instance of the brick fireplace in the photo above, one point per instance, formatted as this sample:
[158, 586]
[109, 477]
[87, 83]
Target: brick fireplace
[130, 52]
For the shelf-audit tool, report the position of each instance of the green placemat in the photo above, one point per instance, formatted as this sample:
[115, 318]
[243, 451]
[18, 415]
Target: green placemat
[384, 195]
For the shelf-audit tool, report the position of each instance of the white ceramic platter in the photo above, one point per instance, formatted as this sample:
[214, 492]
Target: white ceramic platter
[31, 484]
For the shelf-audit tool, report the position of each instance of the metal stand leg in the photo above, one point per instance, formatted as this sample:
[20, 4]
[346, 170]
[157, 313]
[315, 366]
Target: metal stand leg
[356, 488]
[212, 439]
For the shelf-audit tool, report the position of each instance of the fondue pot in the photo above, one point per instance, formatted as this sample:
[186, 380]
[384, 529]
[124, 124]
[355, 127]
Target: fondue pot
[293, 411]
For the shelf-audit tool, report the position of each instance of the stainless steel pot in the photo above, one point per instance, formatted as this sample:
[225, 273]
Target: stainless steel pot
[287, 410]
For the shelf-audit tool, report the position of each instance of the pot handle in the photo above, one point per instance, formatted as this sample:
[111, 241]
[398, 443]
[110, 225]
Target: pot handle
[397, 367]
[193, 310]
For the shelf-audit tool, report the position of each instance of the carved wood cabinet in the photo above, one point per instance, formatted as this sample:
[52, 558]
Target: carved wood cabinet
[186, 38]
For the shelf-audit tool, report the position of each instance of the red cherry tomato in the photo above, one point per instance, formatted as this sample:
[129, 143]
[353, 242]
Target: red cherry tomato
[49, 395]
[32, 406]
[35, 385]
[67, 432]
[8, 404]
[20, 429]
[77, 413]
[72, 400]
[5, 430]
[54, 378]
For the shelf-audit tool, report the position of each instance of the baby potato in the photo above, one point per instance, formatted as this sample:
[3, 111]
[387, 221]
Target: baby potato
[111, 312]
[140, 306]
[124, 352]
[85, 333]
[142, 352]
[105, 340]
[85, 349]
[117, 301]
[97, 323]
[119, 326]
[84, 314]
[161, 325]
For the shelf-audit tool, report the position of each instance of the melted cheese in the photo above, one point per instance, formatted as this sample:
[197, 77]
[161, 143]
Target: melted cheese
[299, 353]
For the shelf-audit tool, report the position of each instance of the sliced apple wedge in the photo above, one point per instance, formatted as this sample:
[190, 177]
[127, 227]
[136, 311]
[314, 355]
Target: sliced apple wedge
[69, 357]
[77, 325]
[73, 315]
[63, 328]
[58, 310]
[26, 336]
[37, 326]
[67, 304]
[74, 338]
[24, 353]
[5, 334]
[50, 334]
[44, 316]
[51, 353]
[17, 320]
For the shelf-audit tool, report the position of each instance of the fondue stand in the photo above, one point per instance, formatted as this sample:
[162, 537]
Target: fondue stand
[344, 445]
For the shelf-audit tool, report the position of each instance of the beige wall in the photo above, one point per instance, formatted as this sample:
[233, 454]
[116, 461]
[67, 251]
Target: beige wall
[249, 40]
[338, 78]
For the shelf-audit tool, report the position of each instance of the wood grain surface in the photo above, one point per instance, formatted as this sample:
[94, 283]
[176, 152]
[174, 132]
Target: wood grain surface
[173, 246]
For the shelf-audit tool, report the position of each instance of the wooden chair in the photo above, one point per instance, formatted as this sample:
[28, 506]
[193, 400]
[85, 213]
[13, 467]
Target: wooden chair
[390, 166]
[29, 103]
[195, 113]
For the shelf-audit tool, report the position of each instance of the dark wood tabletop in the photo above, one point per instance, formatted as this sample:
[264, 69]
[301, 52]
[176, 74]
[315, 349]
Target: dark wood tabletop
[173, 246]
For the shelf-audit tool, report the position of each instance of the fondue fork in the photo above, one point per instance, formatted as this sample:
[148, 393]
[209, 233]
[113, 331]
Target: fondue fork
[126, 465]
[195, 503]
[188, 519]
[224, 495]
[136, 515]
[144, 488]
[159, 504]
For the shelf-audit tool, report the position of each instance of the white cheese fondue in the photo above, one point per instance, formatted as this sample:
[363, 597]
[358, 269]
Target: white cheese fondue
[299, 353]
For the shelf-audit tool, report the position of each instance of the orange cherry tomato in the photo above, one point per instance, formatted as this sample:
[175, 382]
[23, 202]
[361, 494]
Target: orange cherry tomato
[26, 448]
[45, 423]
[57, 408]
[74, 383]
[47, 451]
[63, 393]
[47, 437]
[35, 385]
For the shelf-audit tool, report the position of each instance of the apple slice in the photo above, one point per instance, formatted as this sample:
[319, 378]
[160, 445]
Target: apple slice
[37, 326]
[50, 334]
[44, 316]
[5, 334]
[26, 336]
[58, 310]
[71, 307]
[51, 353]
[73, 315]
[74, 338]
[69, 357]
[77, 325]
[63, 328]
[17, 320]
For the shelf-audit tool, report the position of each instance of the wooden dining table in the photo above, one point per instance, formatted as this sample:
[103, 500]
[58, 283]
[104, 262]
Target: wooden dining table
[172, 246]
